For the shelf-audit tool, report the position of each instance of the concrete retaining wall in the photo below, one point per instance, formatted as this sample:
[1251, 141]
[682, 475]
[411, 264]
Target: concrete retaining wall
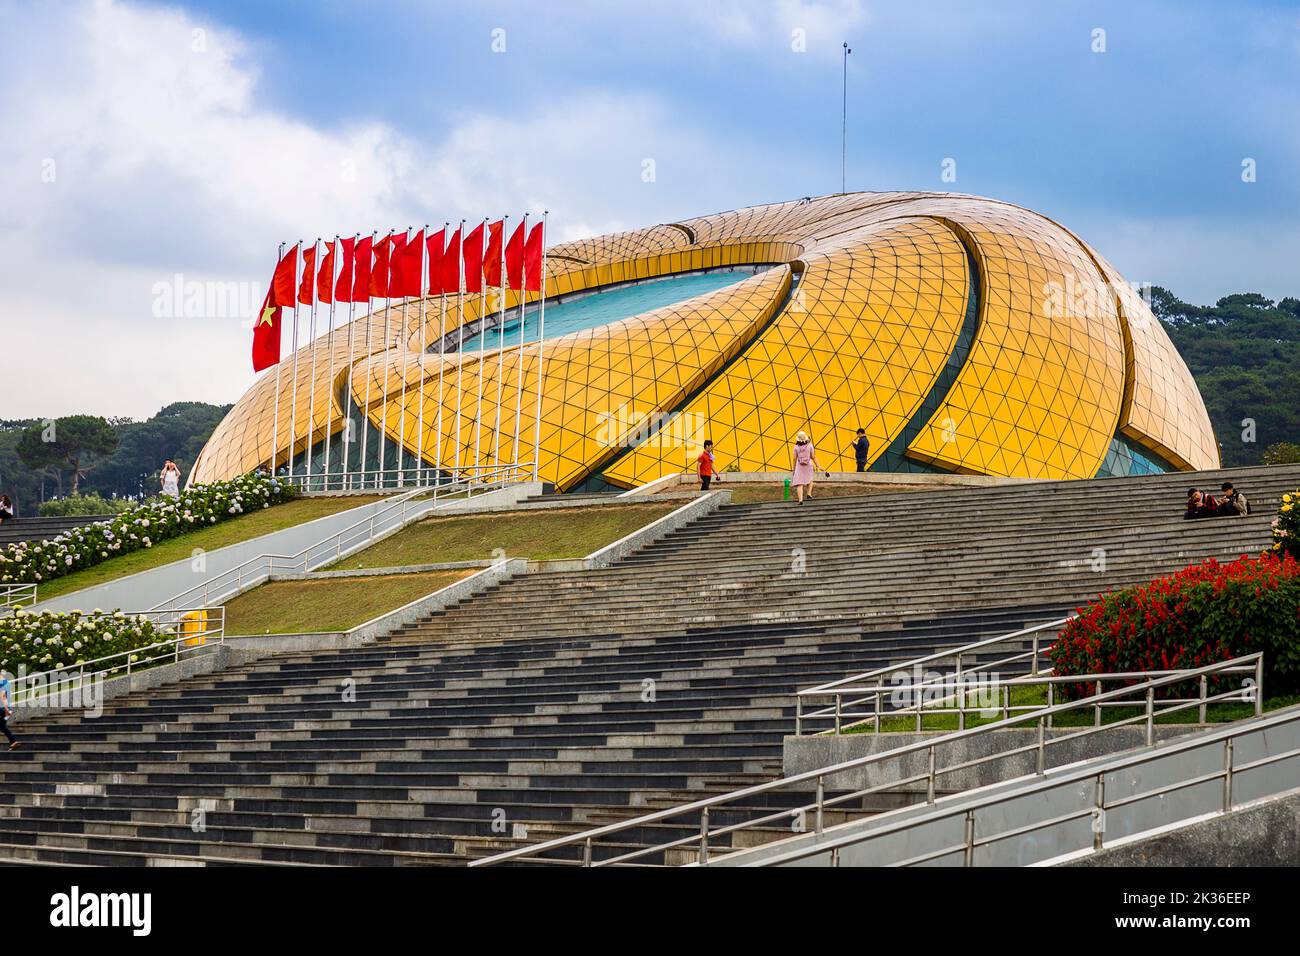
[802, 754]
[1266, 833]
[696, 508]
[453, 593]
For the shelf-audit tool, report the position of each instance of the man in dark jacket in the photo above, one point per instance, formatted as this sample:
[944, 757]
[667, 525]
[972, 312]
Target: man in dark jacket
[1232, 502]
[861, 449]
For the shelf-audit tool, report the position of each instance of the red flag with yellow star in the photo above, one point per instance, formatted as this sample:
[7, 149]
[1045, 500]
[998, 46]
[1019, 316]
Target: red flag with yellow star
[266, 331]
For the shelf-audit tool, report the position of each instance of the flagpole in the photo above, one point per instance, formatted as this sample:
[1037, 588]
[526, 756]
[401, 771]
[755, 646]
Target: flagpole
[329, 347]
[401, 413]
[482, 340]
[460, 345]
[349, 436]
[523, 315]
[383, 398]
[311, 334]
[419, 437]
[541, 337]
[279, 347]
[442, 343]
[365, 412]
[293, 406]
[501, 343]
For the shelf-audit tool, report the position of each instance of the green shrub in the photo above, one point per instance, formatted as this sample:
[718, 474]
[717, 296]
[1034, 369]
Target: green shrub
[32, 643]
[1204, 614]
[91, 504]
[31, 562]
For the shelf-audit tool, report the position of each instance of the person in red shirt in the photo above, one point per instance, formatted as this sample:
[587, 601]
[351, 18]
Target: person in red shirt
[706, 467]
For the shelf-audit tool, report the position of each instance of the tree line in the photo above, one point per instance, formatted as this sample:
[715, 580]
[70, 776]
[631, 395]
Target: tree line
[1244, 352]
[42, 459]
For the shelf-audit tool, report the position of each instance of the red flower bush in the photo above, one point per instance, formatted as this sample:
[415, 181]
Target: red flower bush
[1203, 614]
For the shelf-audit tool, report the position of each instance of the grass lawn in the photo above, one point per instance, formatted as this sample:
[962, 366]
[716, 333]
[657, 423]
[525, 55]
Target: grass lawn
[540, 535]
[1037, 697]
[262, 521]
[327, 604]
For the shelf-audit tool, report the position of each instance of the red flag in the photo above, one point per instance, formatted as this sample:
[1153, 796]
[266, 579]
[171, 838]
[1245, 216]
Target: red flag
[325, 275]
[308, 283]
[343, 288]
[492, 258]
[379, 272]
[266, 331]
[436, 242]
[473, 252]
[396, 248]
[451, 265]
[286, 276]
[515, 258]
[407, 263]
[361, 270]
[533, 260]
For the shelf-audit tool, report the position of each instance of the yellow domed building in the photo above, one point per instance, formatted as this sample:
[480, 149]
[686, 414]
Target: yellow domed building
[965, 335]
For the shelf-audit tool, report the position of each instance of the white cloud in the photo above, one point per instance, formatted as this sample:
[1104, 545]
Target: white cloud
[166, 159]
[825, 23]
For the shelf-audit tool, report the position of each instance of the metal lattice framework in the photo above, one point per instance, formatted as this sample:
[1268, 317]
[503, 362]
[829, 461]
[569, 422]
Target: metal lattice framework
[964, 334]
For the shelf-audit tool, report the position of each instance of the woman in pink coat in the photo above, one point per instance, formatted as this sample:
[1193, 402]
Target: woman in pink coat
[803, 463]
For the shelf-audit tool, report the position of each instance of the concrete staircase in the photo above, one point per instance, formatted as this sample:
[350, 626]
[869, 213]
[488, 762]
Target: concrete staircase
[560, 701]
[430, 749]
[879, 560]
[38, 529]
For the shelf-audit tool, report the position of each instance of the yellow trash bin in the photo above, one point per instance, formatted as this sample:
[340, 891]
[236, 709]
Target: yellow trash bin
[194, 627]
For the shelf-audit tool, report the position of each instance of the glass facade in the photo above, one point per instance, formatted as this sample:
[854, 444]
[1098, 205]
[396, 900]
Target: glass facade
[964, 334]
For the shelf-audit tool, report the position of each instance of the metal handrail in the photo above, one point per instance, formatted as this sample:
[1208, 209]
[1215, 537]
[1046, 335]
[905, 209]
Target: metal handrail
[199, 627]
[12, 595]
[1100, 803]
[260, 567]
[835, 690]
[398, 478]
[1250, 663]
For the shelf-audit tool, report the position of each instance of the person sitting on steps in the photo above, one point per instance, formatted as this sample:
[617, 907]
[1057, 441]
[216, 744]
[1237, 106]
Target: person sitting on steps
[1200, 505]
[1232, 503]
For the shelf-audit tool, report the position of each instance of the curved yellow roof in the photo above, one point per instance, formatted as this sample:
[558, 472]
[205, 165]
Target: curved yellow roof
[964, 334]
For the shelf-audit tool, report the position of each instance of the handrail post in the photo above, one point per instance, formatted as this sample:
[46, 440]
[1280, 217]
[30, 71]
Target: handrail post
[880, 689]
[1259, 686]
[704, 836]
[929, 781]
[1100, 805]
[1033, 664]
[1096, 720]
[1200, 711]
[821, 799]
[1227, 775]
[1151, 716]
[961, 697]
[586, 852]
[839, 702]
[1051, 702]
[1042, 746]
[968, 857]
[798, 716]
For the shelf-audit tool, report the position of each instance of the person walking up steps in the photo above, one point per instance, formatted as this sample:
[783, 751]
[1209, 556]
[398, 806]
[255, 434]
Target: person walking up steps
[706, 466]
[6, 708]
[803, 463]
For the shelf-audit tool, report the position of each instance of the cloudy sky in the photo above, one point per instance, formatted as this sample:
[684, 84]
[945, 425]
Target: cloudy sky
[144, 144]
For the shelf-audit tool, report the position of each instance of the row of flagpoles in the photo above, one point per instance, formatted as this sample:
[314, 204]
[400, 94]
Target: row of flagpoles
[358, 269]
